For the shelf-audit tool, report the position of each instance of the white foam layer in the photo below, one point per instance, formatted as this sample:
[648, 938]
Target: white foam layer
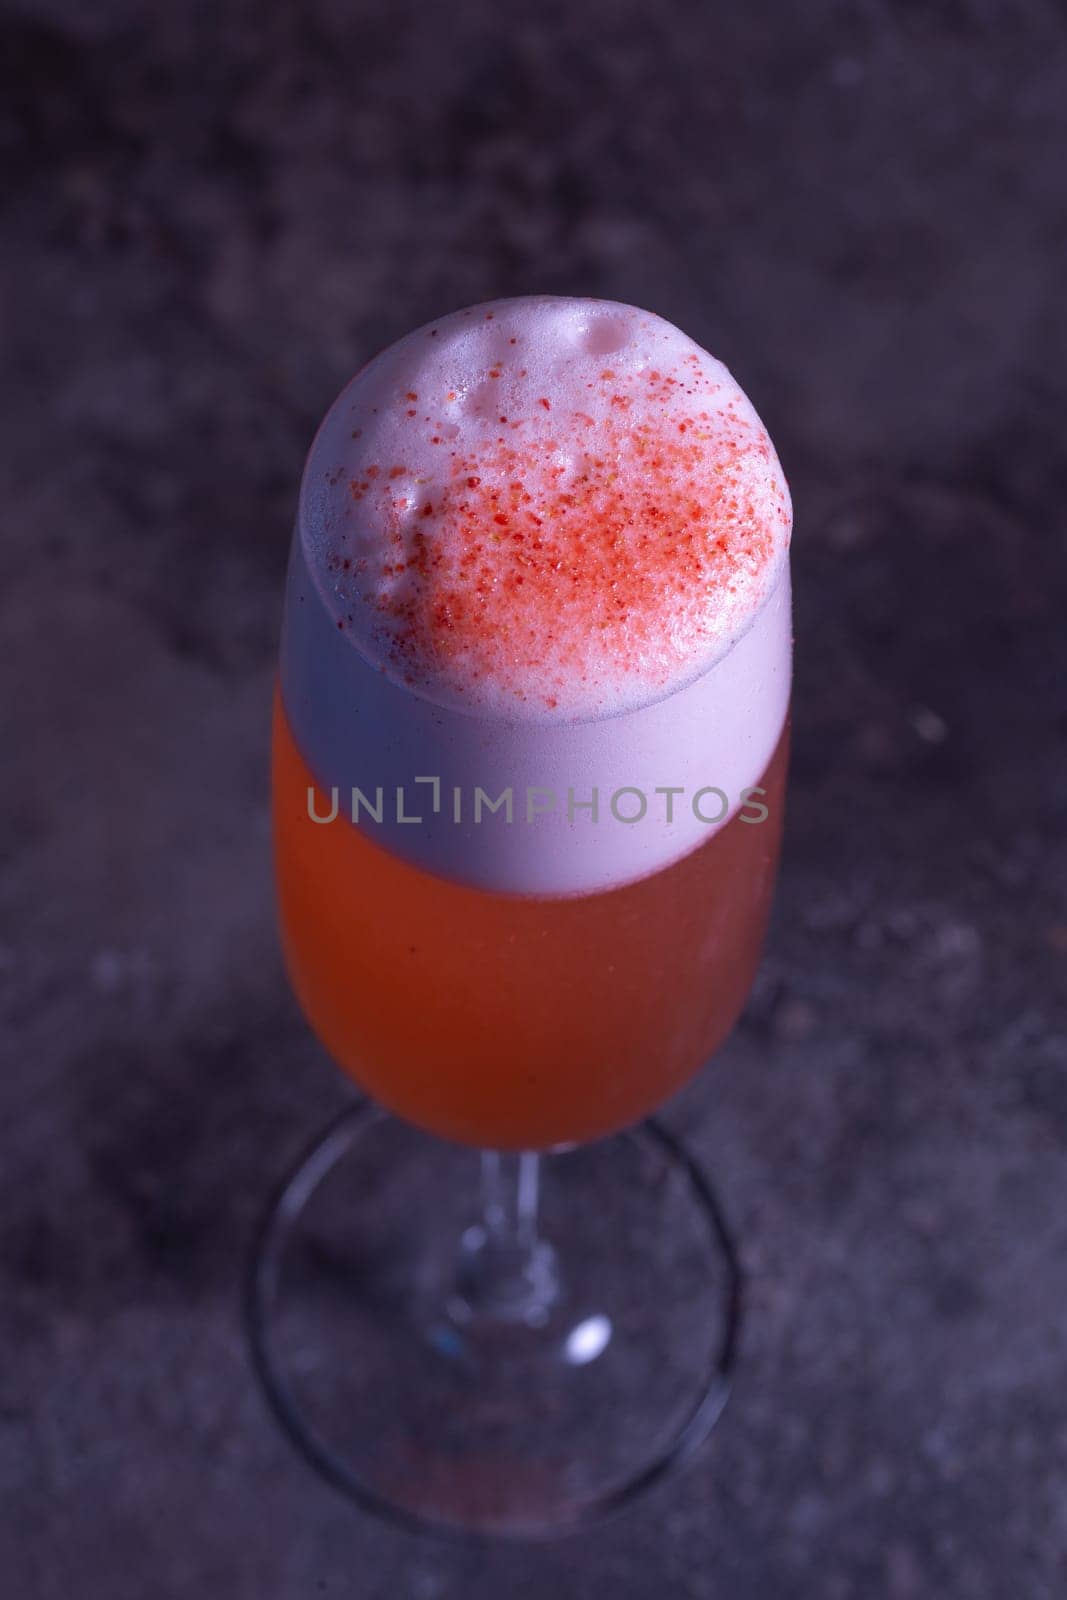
[544, 508]
[358, 729]
[644, 646]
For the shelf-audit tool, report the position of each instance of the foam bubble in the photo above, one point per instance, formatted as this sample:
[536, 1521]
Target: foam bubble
[545, 508]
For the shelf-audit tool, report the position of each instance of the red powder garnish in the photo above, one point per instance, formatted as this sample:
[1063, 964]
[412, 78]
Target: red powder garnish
[555, 563]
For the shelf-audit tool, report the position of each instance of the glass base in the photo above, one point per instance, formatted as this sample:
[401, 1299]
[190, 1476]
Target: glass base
[478, 1384]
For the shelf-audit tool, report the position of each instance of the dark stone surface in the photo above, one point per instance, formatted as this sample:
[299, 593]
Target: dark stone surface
[213, 213]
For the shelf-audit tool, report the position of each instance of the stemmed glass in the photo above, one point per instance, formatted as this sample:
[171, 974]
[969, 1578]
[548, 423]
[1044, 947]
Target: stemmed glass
[516, 1340]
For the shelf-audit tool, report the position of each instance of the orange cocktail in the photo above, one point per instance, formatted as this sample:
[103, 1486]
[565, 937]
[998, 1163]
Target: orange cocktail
[541, 553]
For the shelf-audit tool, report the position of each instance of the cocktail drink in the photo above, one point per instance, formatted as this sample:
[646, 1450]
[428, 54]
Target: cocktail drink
[538, 630]
[529, 749]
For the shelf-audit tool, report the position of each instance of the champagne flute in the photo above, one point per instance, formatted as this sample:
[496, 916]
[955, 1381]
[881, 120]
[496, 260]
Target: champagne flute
[529, 754]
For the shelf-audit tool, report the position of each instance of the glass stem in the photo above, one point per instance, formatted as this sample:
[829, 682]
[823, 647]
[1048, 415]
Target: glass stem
[510, 1193]
[506, 1271]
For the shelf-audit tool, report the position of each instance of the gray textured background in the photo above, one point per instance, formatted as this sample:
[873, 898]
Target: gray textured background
[212, 214]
